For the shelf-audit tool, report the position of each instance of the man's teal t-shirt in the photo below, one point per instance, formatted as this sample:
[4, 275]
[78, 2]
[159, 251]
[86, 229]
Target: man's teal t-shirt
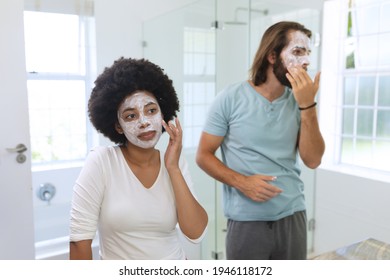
[260, 137]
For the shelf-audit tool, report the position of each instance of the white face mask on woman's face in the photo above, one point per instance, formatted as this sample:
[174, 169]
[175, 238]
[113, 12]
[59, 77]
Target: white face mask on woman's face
[139, 116]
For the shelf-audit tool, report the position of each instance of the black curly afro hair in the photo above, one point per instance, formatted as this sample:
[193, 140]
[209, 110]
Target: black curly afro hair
[124, 77]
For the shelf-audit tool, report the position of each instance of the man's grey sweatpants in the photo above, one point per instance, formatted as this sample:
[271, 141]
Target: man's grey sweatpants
[285, 239]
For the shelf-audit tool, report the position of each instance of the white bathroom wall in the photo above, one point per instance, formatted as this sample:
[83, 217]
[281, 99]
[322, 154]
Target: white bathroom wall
[119, 31]
[349, 209]
[119, 26]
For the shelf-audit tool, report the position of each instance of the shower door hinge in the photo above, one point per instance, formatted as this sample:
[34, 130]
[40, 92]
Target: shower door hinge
[144, 44]
[311, 225]
[216, 255]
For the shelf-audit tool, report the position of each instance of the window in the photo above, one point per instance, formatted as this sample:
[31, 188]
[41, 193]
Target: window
[59, 74]
[199, 81]
[363, 87]
[365, 138]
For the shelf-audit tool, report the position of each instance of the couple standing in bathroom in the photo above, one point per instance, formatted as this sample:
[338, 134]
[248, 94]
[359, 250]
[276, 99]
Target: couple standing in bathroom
[138, 197]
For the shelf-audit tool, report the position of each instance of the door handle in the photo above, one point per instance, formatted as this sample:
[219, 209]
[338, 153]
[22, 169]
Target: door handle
[20, 148]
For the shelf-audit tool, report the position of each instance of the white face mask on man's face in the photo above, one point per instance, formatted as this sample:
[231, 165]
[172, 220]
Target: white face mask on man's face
[297, 52]
[139, 116]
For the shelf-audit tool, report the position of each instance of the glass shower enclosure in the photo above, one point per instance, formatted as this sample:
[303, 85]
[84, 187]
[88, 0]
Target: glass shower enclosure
[204, 47]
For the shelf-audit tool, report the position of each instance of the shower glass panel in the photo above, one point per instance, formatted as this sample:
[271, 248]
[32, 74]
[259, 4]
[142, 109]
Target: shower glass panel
[182, 42]
[204, 47]
[232, 64]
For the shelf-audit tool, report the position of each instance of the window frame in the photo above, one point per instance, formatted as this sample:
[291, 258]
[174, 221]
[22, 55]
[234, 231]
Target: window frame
[334, 71]
[87, 28]
[192, 78]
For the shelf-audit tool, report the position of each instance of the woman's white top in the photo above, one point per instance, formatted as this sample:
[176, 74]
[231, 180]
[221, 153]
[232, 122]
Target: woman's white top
[133, 222]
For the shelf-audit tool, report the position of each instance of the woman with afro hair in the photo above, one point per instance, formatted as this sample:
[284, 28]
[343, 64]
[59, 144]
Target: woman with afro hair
[135, 196]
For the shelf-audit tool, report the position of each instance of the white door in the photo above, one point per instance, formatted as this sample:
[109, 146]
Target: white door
[16, 207]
